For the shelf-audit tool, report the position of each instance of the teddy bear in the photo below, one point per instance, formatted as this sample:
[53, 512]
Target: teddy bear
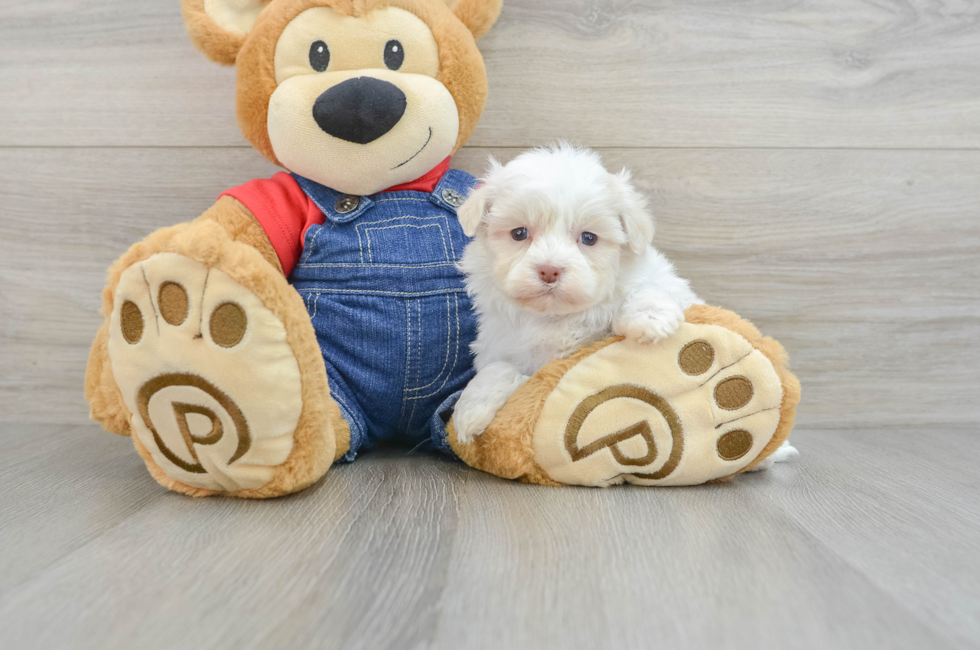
[304, 318]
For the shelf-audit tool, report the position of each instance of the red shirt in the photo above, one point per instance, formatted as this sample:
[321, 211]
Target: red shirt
[286, 213]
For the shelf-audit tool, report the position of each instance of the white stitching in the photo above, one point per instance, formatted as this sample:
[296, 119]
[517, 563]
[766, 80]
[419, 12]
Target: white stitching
[445, 362]
[316, 306]
[404, 199]
[407, 225]
[357, 229]
[373, 292]
[419, 373]
[404, 216]
[351, 419]
[377, 266]
[442, 233]
[455, 357]
[418, 343]
[452, 246]
[360, 244]
[309, 249]
[408, 362]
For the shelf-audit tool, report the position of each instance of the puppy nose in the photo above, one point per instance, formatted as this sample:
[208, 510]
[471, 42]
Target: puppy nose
[549, 274]
[360, 110]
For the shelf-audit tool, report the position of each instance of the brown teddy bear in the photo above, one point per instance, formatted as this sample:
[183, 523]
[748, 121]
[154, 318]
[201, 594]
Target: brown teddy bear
[303, 318]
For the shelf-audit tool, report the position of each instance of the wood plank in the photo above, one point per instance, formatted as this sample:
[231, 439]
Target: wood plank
[414, 550]
[866, 265]
[881, 498]
[47, 513]
[827, 73]
[722, 566]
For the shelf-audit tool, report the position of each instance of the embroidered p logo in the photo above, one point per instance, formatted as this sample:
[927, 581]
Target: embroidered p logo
[641, 430]
[176, 426]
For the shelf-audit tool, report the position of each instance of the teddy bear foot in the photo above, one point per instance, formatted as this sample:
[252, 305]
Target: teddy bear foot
[206, 371]
[225, 390]
[699, 406]
[713, 400]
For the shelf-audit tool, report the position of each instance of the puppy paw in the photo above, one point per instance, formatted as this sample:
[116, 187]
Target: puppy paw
[483, 397]
[471, 417]
[786, 452]
[649, 317]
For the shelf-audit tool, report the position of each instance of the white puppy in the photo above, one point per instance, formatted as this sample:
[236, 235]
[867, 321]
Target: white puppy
[562, 257]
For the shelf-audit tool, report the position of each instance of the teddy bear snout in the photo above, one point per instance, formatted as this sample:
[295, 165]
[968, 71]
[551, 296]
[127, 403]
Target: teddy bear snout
[360, 110]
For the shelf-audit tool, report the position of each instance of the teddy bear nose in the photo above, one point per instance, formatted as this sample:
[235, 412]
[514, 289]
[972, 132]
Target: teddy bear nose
[360, 110]
[549, 274]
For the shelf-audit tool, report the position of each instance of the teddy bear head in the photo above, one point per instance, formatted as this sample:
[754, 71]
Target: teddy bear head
[357, 95]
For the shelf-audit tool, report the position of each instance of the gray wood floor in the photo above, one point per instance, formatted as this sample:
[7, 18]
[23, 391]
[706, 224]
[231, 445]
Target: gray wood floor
[814, 166]
[870, 542]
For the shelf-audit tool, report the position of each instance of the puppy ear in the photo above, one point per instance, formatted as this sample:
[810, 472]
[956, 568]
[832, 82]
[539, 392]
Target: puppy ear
[636, 218]
[218, 28]
[474, 211]
[478, 15]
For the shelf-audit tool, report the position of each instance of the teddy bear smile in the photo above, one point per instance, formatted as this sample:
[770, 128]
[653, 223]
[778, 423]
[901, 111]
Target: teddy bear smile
[414, 156]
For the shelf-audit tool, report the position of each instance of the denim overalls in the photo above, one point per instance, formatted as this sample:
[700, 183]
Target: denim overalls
[389, 308]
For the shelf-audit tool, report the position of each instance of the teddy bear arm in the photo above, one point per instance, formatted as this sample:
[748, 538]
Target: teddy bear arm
[242, 226]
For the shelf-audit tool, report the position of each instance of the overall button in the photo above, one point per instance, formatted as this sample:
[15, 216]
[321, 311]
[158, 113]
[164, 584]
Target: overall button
[347, 203]
[452, 197]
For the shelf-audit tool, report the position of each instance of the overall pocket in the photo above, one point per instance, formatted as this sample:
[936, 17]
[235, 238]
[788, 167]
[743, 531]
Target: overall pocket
[407, 240]
[439, 332]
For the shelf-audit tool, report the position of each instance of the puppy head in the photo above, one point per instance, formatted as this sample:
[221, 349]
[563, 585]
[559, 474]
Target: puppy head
[551, 228]
[358, 95]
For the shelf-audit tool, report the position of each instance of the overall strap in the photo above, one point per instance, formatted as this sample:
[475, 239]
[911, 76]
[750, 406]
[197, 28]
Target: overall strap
[453, 190]
[336, 206]
[449, 194]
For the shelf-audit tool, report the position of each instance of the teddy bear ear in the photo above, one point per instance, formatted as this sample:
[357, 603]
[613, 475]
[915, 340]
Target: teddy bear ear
[478, 15]
[218, 28]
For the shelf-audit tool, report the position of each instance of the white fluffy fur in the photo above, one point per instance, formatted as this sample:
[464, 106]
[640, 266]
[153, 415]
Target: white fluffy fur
[621, 285]
[784, 453]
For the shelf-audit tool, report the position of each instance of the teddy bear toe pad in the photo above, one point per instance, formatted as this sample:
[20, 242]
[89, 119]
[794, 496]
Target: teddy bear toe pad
[206, 372]
[701, 405]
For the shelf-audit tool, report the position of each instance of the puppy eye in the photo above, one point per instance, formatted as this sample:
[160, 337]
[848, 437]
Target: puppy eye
[519, 234]
[394, 55]
[319, 56]
[588, 238]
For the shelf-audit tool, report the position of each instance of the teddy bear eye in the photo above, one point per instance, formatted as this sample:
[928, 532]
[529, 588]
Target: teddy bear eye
[588, 238]
[319, 56]
[519, 234]
[394, 55]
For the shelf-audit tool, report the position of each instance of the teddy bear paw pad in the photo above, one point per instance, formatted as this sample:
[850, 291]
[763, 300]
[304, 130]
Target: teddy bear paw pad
[701, 405]
[207, 372]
